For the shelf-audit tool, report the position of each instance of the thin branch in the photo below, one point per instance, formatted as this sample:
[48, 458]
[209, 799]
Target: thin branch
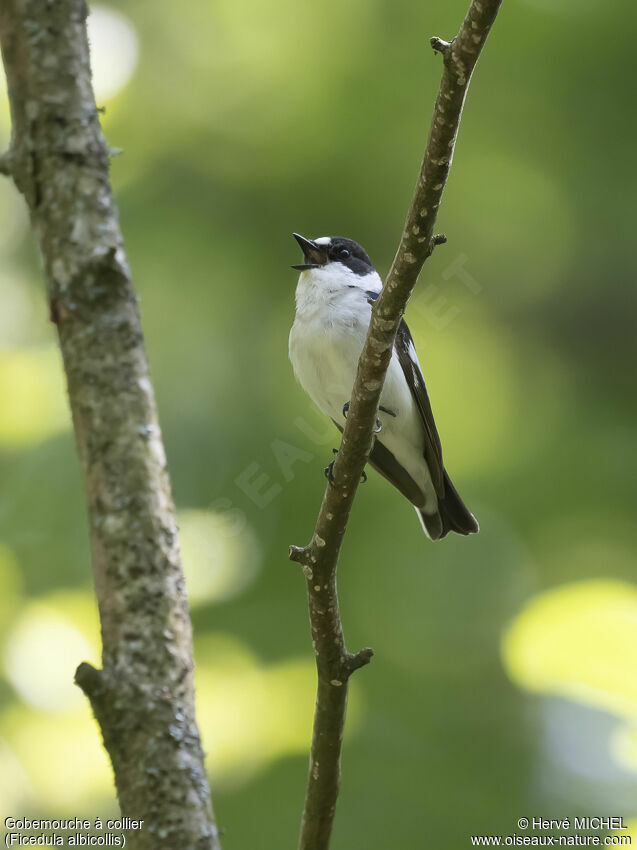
[319, 557]
[143, 697]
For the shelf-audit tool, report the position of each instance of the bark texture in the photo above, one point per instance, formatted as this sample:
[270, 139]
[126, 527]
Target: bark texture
[319, 558]
[143, 696]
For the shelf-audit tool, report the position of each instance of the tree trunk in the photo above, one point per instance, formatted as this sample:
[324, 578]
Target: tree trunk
[143, 697]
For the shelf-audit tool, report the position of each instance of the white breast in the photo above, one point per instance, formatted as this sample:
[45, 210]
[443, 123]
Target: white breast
[332, 317]
[326, 340]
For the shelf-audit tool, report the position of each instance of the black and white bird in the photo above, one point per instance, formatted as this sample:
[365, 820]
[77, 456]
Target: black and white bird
[333, 312]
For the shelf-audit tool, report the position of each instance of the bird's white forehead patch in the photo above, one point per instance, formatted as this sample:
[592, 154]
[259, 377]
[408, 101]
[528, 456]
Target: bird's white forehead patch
[323, 240]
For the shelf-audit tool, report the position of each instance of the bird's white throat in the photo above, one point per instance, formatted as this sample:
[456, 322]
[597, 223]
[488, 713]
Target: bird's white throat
[328, 285]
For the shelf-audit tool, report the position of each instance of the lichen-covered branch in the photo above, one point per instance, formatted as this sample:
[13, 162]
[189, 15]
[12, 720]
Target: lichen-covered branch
[143, 695]
[319, 557]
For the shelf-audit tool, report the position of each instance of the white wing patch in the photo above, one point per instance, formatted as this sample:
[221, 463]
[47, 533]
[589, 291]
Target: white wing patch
[415, 365]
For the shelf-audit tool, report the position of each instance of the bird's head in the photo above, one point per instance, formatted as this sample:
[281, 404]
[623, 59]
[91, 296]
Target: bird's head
[327, 252]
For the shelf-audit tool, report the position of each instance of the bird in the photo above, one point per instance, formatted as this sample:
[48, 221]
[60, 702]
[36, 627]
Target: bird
[336, 287]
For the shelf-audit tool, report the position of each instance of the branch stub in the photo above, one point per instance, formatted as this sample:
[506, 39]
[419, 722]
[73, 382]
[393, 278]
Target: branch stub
[440, 45]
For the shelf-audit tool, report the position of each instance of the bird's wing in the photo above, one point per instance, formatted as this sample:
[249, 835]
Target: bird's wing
[408, 359]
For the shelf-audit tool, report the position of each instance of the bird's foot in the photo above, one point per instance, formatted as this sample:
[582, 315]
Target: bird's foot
[329, 472]
[328, 469]
[379, 424]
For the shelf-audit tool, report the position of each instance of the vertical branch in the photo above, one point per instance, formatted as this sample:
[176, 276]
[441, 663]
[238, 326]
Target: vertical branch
[143, 697]
[319, 558]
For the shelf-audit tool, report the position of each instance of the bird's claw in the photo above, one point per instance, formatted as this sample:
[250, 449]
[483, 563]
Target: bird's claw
[379, 424]
[328, 469]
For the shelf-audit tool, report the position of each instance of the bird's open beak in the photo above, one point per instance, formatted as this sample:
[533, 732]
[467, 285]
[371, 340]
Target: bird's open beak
[315, 255]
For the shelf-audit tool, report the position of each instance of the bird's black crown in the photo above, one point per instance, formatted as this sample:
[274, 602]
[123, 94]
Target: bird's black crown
[352, 255]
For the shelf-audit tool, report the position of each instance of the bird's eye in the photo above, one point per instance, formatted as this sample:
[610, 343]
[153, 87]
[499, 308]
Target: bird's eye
[343, 253]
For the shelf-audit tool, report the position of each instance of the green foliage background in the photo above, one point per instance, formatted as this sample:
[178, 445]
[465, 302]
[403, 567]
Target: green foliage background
[504, 678]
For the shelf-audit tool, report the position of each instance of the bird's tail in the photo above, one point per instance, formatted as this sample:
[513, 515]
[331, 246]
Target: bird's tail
[452, 515]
